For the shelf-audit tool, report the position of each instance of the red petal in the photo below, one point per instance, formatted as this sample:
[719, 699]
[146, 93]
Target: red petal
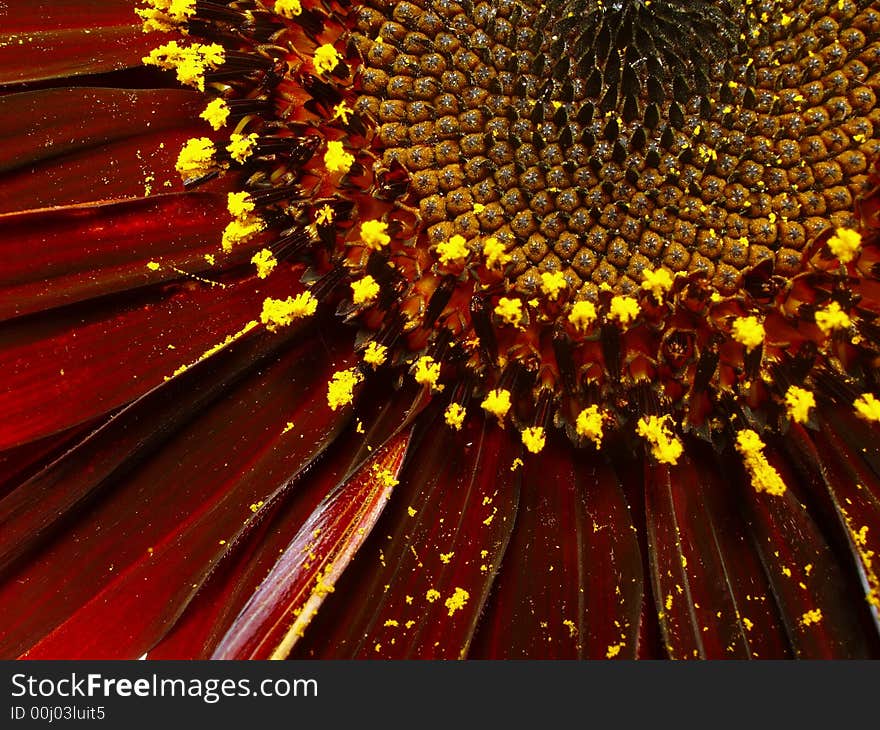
[45, 40]
[74, 368]
[571, 583]
[710, 588]
[420, 583]
[210, 615]
[278, 613]
[177, 472]
[811, 589]
[58, 257]
[848, 458]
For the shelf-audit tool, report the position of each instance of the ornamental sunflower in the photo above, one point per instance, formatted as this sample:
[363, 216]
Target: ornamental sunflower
[436, 329]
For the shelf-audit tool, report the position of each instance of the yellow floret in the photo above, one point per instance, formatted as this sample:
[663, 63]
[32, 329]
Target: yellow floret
[497, 402]
[265, 262]
[239, 205]
[340, 389]
[845, 244]
[765, 478]
[868, 407]
[427, 372]
[665, 445]
[283, 312]
[454, 416]
[453, 251]
[241, 146]
[326, 58]
[336, 159]
[216, 113]
[288, 8]
[832, 318]
[798, 403]
[552, 284]
[582, 315]
[510, 311]
[657, 282]
[494, 253]
[624, 309]
[365, 290]
[589, 425]
[374, 234]
[534, 439]
[748, 331]
[375, 354]
[196, 158]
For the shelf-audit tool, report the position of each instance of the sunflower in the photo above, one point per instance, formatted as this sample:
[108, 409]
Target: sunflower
[436, 329]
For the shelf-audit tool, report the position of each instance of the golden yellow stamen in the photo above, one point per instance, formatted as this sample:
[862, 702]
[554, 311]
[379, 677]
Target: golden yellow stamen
[196, 158]
[375, 354]
[340, 389]
[582, 315]
[265, 262]
[552, 284]
[282, 312]
[748, 331]
[765, 478]
[374, 234]
[497, 402]
[665, 445]
[510, 311]
[364, 290]
[534, 438]
[453, 251]
[427, 372]
[657, 282]
[832, 318]
[624, 309]
[589, 425]
[845, 244]
[326, 58]
[454, 416]
[336, 159]
[241, 146]
[798, 403]
[216, 113]
[868, 407]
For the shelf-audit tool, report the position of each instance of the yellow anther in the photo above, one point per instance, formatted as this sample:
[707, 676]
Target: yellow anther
[326, 58]
[454, 416]
[374, 234]
[365, 290]
[453, 251]
[340, 389]
[845, 244]
[534, 438]
[623, 309]
[748, 331]
[283, 312]
[868, 407]
[375, 354]
[196, 158]
[216, 113]
[552, 283]
[798, 403]
[265, 262]
[497, 402]
[510, 311]
[765, 478]
[657, 282]
[494, 253]
[336, 159]
[241, 146]
[427, 372]
[665, 445]
[582, 315]
[589, 424]
[832, 318]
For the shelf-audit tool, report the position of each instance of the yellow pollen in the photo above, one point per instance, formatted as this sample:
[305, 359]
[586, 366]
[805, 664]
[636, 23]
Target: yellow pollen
[868, 407]
[265, 262]
[153, 266]
[552, 283]
[432, 595]
[457, 600]
[453, 251]
[454, 416]
[216, 113]
[336, 159]
[534, 439]
[845, 244]
[190, 62]
[494, 253]
[811, 617]
[241, 146]
[665, 445]
[798, 403]
[497, 402]
[326, 58]
[748, 331]
[375, 354]
[288, 8]
[657, 282]
[239, 205]
[582, 315]
[510, 311]
[624, 309]
[340, 389]
[832, 318]
[324, 216]
[427, 372]
[342, 111]
[374, 234]
[241, 230]
[282, 312]
[365, 290]
[589, 425]
[196, 158]
[765, 478]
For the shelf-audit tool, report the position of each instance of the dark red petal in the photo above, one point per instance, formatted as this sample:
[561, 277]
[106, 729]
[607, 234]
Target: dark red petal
[58, 257]
[81, 364]
[571, 583]
[418, 586]
[284, 605]
[37, 126]
[811, 588]
[47, 39]
[152, 500]
[710, 588]
[210, 615]
[848, 457]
